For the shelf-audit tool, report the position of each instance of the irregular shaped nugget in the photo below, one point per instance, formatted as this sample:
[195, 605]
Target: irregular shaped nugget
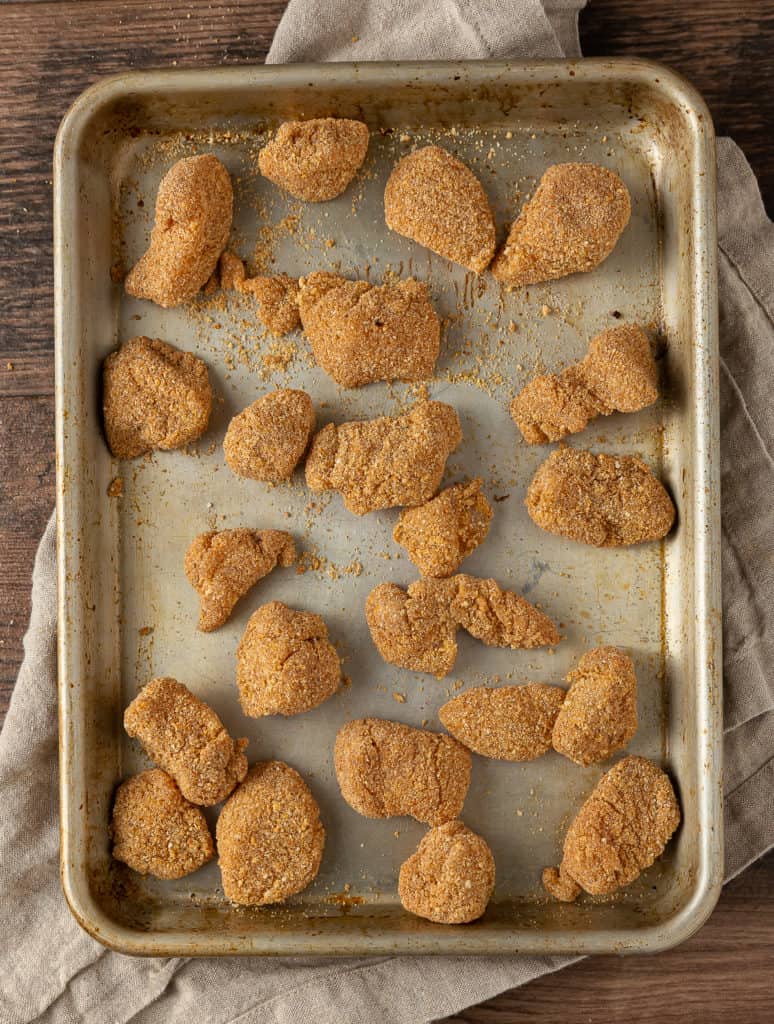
[185, 737]
[437, 200]
[277, 295]
[222, 566]
[194, 209]
[570, 225]
[450, 879]
[267, 440]
[599, 714]
[315, 160]
[361, 333]
[155, 830]
[617, 374]
[380, 463]
[621, 829]
[440, 534]
[386, 769]
[153, 396]
[605, 500]
[417, 628]
[270, 837]
[285, 662]
[510, 723]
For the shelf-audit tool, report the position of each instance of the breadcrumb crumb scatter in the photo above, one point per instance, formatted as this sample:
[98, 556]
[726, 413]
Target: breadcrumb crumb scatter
[315, 160]
[380, 463]
[361, 333]
[285, 662]
[267, 440]
[450, 879]
[270, 837]
[599, 714]
[570, 225]
[603, 500]
[617, 374]
[386, 769]
[155, 830]
[194, 209]
[510, 723]
[185, 737]
[223, 566]
[620, 830]
[440, 534]
[435, 199]
[153, 396]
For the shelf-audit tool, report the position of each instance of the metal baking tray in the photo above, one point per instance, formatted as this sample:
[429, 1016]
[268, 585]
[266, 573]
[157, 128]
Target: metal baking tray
[126, 612]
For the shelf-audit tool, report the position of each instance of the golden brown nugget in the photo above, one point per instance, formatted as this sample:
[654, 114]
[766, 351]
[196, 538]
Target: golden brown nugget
[380, 463]
[570, 225]
[510, 723]
[315, 160]
[185, 737]
[386, 769]
[617, 374]
[440, 534]
[450, 879]
[153, 396]
[599, 714]
[620, 830]
[222, 566]
[194, 209]
[435, 199]
[607, 501]
[361, 333]
[267, 440]
[276, 295]
[285, 662]
[155, 830]
[270, 837]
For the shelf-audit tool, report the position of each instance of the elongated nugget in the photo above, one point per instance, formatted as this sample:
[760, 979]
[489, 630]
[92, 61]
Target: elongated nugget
[385, 768]
[315, 160]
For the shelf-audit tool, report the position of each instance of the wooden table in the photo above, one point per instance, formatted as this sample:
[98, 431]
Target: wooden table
[49, 52]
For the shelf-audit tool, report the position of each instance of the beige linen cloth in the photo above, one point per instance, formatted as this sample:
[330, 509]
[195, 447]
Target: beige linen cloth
[52, 971]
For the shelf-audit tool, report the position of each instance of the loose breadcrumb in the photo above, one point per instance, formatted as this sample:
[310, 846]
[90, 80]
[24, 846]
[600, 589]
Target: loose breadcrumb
[315, 160]
[267, 440]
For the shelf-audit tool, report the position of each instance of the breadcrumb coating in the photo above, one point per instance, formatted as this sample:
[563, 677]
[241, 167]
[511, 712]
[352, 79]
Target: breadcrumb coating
[435, 199]
[153, 396]
[570, 225]
[380, 463]
[194, 209]
[361, 333]
[617, 374]
[276, 295]
[223, 565]
[185, 737]
[270, 837]
[450, 879]
[315, 160]
[267, 440]
[386, 769]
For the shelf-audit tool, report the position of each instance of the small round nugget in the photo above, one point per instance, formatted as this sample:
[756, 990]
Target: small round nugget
[267, 440]
[315, 160]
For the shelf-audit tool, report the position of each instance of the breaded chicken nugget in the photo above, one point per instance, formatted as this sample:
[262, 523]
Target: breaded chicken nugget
[153, 396]
[440, 534]
[621, 829]
[315, 160]
[599, 714]
[450, 879]
[380, 463]
[270, 837]
[277, 298]
[185, 737]
[617, 374]
[386, 769]
[361, 333]
[267, 440]
[570, 225]
[510, 723]
[437, 200]
[194, 209]
[605, 500]
[155, 830]
[223, 566]
[285, 662]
